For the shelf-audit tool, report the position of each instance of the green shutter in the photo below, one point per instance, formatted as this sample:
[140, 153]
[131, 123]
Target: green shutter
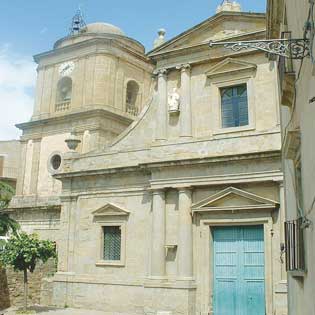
[234, 106]
[112, 242]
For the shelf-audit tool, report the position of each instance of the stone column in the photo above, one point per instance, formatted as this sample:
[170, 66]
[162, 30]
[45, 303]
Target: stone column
[185, 238]
[158, 234]
[161, 127]
[185, 102]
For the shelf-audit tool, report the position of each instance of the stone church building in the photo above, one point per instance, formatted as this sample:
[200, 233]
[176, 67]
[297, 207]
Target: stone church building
[158, 174]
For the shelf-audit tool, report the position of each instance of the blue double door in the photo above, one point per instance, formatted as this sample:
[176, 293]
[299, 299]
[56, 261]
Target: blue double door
[238, 260]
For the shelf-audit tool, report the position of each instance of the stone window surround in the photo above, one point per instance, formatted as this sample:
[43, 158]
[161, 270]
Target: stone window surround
[100, 261]
[216, 85]
[50, 168]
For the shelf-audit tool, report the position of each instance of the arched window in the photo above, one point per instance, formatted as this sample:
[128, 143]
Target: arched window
[131, 97]
[64, 92]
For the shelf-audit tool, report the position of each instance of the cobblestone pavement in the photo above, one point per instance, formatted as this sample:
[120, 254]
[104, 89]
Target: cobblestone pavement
[53, 311]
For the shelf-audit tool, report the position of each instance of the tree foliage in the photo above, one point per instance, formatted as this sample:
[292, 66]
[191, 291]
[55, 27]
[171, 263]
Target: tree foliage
[7, 224]
[24, 251]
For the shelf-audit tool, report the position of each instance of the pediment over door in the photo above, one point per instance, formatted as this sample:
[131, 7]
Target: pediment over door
[231, 65]
[110, 209]
[234, 199]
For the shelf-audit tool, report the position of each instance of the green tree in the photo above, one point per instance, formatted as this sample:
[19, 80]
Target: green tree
[7, 224]
[23, 252]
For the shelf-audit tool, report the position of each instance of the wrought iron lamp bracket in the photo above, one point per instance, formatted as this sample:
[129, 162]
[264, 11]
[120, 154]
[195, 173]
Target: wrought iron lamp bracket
[288, 48]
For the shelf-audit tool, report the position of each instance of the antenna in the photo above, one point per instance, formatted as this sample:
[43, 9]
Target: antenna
[77, 23]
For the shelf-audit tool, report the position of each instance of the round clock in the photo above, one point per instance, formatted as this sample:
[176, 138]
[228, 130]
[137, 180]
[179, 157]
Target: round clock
[66, 68]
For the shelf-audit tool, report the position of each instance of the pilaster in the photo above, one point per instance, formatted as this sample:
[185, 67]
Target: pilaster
[185, 237]
[21, 174]
[185, 110]
[35, 165]
[158, 235]
[161, 127]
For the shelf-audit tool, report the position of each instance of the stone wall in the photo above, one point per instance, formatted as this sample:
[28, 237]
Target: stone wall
[12, 287]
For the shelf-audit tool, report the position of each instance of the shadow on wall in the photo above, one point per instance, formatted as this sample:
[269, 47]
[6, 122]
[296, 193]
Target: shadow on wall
[4, 290]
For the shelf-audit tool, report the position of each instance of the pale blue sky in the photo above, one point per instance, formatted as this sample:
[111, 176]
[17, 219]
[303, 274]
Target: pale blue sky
[28, 27]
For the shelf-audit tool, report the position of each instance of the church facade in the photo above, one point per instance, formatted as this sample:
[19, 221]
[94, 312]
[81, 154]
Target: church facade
[172, 203]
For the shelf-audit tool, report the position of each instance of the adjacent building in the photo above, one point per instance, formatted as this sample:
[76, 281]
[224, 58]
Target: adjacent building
[295, 20]
[9, 161]
[172, 203]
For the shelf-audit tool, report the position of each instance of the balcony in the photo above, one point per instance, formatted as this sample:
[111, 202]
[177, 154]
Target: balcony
[294, 244]
[9, 172]
[132, 109]
[62, 106]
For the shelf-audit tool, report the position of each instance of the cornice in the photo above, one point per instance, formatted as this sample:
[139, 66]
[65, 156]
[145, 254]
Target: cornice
[213, 20]
[109, 43]
[148, 167]
[74, 116]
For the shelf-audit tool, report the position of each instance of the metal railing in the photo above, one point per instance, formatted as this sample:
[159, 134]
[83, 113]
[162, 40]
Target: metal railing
[132, 109]
[294, 244]
[62, 106]
[9, 172]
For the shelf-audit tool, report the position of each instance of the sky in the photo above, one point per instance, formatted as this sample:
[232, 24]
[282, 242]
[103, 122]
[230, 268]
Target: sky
[29, 27]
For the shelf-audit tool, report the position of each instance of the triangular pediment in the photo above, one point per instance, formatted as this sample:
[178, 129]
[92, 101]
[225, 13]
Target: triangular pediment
[231, 199]
[110, 209]
[222, 26]
[230, 65]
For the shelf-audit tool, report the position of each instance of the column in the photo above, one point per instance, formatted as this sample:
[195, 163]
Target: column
[185, 239]
[158, 234]
[161, 127]
[185, 102]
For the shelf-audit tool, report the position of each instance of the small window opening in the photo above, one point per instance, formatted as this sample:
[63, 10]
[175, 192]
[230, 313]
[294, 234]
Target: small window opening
[64, 90]
[234, 106]
[56, 161]
[112, 243]
[132, 97]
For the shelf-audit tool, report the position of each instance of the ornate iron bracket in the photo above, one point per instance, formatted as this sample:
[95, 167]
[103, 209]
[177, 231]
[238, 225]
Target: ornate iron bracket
[288, 48]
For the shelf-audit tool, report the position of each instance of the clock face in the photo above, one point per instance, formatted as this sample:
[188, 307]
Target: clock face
[66, 68]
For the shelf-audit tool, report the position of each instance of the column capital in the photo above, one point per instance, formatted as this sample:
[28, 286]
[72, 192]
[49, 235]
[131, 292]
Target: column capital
[160, 72]
[157, 191]
[184, 67]
[184, 189]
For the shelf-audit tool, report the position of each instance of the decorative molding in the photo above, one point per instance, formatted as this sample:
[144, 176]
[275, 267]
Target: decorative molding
[234, 199]
[223, 67]
[110, 209]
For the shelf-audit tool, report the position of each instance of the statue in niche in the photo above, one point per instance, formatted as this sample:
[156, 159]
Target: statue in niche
[173, 101]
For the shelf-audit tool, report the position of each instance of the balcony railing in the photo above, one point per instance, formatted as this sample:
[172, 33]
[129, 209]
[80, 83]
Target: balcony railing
[9, 172]
[62, 106]
[294, 241]
[132, 109]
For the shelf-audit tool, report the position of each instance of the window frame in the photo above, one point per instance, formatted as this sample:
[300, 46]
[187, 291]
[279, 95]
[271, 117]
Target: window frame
[217, 86]
[100, 260]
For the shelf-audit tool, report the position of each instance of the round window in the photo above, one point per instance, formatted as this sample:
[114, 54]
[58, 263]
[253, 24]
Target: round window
[55, 161]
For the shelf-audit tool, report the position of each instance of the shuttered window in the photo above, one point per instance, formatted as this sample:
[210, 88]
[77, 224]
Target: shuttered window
[234, 106]
[112, 242]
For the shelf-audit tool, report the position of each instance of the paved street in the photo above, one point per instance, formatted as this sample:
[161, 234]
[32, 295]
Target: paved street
[53, 311]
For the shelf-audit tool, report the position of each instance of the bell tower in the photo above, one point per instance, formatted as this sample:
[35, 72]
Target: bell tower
[94, 82]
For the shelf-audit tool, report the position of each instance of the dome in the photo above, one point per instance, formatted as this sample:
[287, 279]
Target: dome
[103, 28]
